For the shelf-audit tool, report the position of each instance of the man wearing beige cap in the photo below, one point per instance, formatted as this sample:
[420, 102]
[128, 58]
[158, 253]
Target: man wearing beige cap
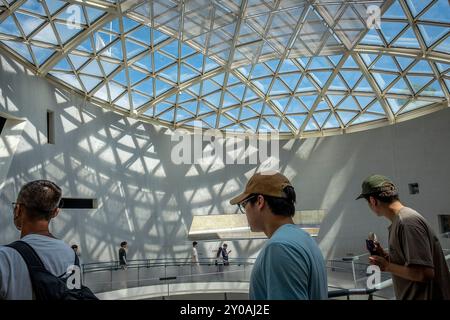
[290, 264]
[415, 259]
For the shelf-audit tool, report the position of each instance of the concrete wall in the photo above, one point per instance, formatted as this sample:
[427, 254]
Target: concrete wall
[149, 201]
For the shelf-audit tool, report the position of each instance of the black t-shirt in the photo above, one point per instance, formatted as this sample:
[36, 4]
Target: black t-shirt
[122, 256]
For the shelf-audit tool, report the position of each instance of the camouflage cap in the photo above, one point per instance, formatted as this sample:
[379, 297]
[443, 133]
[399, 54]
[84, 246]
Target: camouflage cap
[379, 185]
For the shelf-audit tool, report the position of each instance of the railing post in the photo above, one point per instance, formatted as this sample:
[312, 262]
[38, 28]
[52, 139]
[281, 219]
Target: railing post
[354, 273]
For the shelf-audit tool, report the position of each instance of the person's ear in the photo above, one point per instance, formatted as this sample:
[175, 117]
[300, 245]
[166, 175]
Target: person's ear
[373, 201]
[54, 213]
[260, 201]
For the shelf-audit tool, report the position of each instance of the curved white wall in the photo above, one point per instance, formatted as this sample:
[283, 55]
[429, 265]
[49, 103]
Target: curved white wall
[149, 201]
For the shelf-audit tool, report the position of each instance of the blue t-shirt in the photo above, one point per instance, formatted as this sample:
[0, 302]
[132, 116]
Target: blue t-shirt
[289, 267]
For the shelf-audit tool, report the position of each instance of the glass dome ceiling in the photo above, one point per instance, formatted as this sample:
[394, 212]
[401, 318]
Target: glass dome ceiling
[304, 68]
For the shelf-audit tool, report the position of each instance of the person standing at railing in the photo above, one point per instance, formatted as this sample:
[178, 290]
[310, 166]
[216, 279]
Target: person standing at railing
[123, 255]
[225, 254]
[194, 256]
[415, 259]
[290, 266]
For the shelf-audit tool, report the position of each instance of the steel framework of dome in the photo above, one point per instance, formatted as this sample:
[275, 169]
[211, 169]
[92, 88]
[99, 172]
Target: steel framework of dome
[302, 67]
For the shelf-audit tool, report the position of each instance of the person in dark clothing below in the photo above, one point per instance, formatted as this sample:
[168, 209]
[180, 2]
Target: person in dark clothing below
[225, 253]
[415, 259]
[123, 255]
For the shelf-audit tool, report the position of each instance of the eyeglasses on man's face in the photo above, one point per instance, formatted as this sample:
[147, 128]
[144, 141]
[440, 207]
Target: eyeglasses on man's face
[244, 203]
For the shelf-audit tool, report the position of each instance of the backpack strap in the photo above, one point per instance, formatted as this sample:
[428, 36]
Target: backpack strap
[28, 254]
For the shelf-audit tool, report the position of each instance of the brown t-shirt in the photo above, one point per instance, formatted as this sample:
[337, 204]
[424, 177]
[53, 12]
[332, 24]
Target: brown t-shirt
[413, 242]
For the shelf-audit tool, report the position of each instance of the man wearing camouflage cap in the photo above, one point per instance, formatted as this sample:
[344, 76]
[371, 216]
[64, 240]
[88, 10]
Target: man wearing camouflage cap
[415, 259]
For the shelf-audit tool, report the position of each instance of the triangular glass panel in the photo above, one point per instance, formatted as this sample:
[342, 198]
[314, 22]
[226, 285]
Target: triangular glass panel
[162, 61]
[138, 99]
[234, 113]
[431, 33]
[46, 35]
[434, 90]
[335, 59]
[224, 121]
[237, 90]
[337, 84]
[376, 108]
[145, 63]
[115, 90]
[161, 108]
[296, 107]
[443, 67]
[416, 6]
[321, 117]
[167, 116]
[229, 100]
[186, 50]
[260, 71]
[102, 93]
[135, 76]
[444, 46]
[263, 84]
[20, 48]
[121, 78]
[141, 34]
[308, 101]
[346, 116]
[385, 63]
[208, 87]
[273, 64]
[350, 63]
[214, 99]
[363, 100]
[41, 54]
[367, 117]
[158, 37]
[414, 105]
[67, 32]
[281, 103]
[182, 114]
[404, 62]
[368, 58]
[268, 110]
[291, 80]
[211, 120]
[250, 95]
[288, 66]
[114, 51]
[395, 11]
[384, 79]
[92, 68]
[407, 39]
[195, 61]
[363, 86]
[279, 88]
[146, 87]
[391, 29]
[170, 73]
[133, 49]
[63, 65]
[351, 77]
[396, 104]
[77, 61]
[33, 6]
[321, 77]
[219, 79]
[85, 46]
[349, 104]
[54, 5]
[68, 78]
[421, 67]
[372, 38]
[320, 63]
[28, 23]
[93, 14]
[102, 39]
[335, 99]
[311, 125]
[251, 124]
[9, 27]
[400, 87]
[305, 85]
[128, 24]
[296, 120]
[437, 13]
[248, 113]
[89, 82]
[108, 67]
[418, 82]
[332, 122]
[187, 73]
[171, 49]
[322, 105]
